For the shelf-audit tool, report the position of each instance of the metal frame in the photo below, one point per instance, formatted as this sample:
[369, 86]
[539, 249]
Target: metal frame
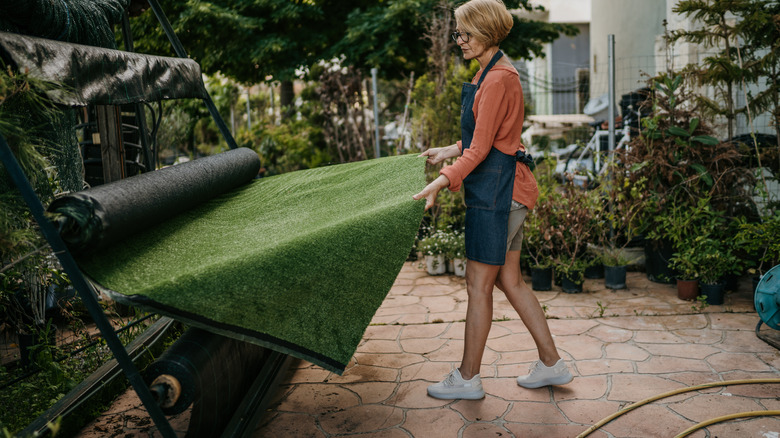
[276, 365]
[83, 287]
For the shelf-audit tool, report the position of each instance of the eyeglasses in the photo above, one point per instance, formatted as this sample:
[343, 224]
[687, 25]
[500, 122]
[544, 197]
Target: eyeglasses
[465, 36]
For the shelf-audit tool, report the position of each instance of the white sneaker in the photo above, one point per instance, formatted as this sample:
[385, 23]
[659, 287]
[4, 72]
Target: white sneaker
[455, 387]
[542, 375]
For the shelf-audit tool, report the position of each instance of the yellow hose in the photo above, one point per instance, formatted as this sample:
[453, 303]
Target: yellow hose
[703, 424]
[633, 406]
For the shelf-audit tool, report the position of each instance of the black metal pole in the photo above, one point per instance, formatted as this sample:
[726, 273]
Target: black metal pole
[140, 114]
[84, 288]
[181, 53]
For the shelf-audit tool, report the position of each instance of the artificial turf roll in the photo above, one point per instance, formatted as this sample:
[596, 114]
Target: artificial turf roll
[297, 262]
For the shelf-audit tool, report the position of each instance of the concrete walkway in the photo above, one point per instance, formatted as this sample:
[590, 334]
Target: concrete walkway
[622, 346]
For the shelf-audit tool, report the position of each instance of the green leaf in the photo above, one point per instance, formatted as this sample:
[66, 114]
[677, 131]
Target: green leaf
[676, 130]
[706, 139]
[702, 171]
[694, 124]
[676, 83]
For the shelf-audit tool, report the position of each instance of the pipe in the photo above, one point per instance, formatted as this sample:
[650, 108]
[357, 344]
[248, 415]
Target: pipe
[669, 394]
[703, 424]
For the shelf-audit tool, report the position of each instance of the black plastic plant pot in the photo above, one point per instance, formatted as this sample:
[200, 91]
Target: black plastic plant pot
[615, 277]
[714, 293]
[541, 278]
[570, 286]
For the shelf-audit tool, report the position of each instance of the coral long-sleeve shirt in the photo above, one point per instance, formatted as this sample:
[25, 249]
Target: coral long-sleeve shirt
[498, 112]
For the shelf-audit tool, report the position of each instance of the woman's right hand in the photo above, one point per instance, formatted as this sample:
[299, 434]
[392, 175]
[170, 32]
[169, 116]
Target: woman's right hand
[437, 155]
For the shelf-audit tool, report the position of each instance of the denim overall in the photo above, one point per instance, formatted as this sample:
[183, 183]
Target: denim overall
[488, 188]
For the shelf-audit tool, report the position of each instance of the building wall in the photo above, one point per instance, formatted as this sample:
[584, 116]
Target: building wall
[569, 55]
[636, 25]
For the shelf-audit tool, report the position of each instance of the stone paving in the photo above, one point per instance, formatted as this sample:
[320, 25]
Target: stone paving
[622, 346]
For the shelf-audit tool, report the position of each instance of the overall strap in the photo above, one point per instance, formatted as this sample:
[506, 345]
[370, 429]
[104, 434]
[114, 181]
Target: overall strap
[490, 65]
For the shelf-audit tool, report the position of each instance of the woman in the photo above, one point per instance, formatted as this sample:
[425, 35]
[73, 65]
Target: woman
[499, 190]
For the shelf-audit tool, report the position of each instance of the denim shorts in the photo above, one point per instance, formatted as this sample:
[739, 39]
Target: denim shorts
[517, 214]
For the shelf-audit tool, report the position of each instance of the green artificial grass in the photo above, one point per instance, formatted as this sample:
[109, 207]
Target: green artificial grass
[297, 262]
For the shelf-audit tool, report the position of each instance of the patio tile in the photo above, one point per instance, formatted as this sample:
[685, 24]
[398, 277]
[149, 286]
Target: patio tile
[433, 422]
[581, 388]
[633, 388]
[489, 408]
[588, 411]
[547, 430]
[626, 352]
[580, 347]
[421, 346]
[681, 350]
[364, 418]
[481, 430]
[604, 366]
[415, 395]
[646, 422]
[535, 412]
[736, 361]
[291, 425]
[372, 392]
[318, 398]
[506, 388]
[667, 364]
[706, 406]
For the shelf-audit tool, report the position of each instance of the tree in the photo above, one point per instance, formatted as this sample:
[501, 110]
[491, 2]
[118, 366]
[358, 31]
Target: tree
[760, 28]
[255, 40]
[727, 67]
[389, 35]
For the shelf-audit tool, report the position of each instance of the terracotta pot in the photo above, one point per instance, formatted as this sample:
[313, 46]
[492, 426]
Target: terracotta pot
[687, 289]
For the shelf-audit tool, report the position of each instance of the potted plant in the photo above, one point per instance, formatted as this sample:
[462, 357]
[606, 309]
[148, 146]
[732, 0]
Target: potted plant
[717, 260]
[681, 163]
[573, 227]
[572, 273]
[618, 221]
[687, 264]
[456, 253]
[761, 242]
[433, 248]
[538, 243]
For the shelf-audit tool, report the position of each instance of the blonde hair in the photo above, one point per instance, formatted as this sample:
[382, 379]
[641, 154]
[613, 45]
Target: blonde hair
[486, 20]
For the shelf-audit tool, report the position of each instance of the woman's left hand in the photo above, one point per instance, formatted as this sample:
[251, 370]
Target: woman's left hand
[432, 190]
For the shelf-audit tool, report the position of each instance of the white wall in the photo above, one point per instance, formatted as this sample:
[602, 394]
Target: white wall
[635, 24]
[569, 11]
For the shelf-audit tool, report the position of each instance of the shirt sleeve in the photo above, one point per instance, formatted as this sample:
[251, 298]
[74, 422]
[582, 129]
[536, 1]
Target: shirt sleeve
[490, 109]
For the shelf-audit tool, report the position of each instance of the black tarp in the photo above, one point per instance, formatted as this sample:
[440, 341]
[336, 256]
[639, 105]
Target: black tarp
[94, 75]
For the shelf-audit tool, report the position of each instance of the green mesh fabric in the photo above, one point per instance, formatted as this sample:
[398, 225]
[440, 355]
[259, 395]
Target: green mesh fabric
[297, 262]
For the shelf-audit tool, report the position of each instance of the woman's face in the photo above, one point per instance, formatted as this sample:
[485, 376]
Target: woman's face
[469, 45]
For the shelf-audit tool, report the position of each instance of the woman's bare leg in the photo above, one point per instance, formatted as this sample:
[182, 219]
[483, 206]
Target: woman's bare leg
[480, 279]
[510, 281]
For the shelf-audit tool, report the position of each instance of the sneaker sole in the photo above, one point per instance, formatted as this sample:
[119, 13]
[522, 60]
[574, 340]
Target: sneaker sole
[477, 396]
[562, 380]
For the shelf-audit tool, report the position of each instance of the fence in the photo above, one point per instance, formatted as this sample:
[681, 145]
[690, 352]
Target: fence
[569, 95]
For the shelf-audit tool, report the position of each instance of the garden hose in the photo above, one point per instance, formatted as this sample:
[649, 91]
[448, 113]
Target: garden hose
[681, 391]
[703, 424]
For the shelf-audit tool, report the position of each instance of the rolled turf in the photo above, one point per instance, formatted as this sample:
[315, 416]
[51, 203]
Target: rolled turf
[297, 262]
